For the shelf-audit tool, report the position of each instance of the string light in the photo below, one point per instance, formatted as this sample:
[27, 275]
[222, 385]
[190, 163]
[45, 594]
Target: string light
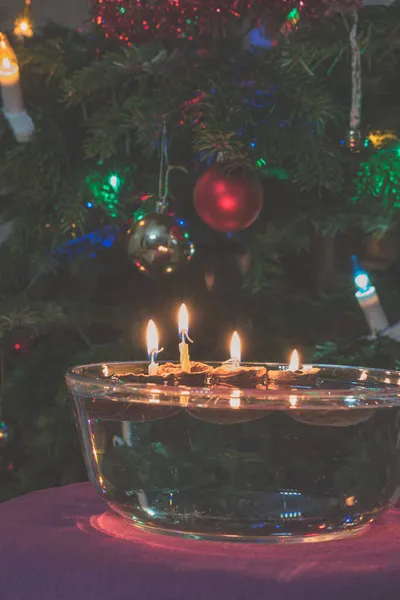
[106, 191]
[23, 27]
[381, 138]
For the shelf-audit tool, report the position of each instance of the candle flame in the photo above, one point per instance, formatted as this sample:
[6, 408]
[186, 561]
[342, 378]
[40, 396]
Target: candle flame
[294, 361]
[183, 319]
[235, 347]
[152, 338]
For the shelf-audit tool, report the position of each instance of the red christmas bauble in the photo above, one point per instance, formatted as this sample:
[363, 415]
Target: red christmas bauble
[227, 202]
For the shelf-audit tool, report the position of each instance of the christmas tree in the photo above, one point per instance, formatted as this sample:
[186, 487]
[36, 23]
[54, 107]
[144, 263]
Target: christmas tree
[279, 117]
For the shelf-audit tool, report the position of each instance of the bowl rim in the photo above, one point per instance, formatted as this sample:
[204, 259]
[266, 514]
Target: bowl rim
[80, 382]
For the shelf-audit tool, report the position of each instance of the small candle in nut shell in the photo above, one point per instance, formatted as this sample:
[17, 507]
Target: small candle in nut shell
[294, 375]
[232, 373]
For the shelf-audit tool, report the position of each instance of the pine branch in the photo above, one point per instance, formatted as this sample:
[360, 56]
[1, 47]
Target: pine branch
[115, 125]
[112, 70]
[319, 167]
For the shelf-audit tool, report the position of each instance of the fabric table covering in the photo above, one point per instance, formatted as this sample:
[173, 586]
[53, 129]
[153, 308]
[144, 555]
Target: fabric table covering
[64, 544]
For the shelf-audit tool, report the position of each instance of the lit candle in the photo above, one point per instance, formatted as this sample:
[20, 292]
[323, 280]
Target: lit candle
[294, 375]
[13, 106]
[152, 347]
[235, 351]
[231, 372]
[183, 326]
[368, 300]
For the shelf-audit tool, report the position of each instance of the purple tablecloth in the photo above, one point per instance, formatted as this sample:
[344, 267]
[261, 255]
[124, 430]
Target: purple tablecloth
[59, 545]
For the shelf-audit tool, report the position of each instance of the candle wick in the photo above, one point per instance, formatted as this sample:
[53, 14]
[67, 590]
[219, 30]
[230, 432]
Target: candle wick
[153, 355]
[185, 336]
[232, 362]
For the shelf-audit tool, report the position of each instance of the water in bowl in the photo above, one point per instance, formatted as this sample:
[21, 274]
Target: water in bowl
[268, 474]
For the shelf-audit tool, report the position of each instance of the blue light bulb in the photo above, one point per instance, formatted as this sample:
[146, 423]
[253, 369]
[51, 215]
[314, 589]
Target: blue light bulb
[361, 278]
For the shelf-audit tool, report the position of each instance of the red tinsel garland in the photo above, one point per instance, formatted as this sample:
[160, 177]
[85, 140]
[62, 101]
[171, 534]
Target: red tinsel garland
[137, 21]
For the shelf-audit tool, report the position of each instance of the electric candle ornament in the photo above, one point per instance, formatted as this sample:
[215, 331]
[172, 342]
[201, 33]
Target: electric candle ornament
[23, 25]
[13, 106]
[368, 300]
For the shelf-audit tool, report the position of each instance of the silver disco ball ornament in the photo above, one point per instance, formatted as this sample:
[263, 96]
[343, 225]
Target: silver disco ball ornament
[159, 244]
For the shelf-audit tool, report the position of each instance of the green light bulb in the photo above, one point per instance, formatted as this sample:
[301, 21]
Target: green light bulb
[114, 181]
[294, 15]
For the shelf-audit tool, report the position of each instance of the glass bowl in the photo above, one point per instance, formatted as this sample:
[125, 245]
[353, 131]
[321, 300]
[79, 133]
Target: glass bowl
[314, 460]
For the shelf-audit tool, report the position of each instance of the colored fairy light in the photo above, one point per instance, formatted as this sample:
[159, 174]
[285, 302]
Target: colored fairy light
[294, 15]
[114, 181]
[361, 278]
[381, 138]
[106, 191]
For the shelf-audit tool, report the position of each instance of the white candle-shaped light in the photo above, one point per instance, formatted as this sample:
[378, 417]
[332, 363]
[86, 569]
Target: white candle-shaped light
[9, 70]
[235, 351]
[13, 106]
[152, 347]
[368, 300]
[294, 363]
[183, 326]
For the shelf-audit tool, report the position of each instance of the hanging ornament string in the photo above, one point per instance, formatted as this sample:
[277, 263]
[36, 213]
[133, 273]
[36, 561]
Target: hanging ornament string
[356, 89]
[162, 203]
[164, 173]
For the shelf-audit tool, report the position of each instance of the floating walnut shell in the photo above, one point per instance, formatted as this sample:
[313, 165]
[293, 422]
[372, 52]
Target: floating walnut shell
[242, 377]
[199, 375]
[332, 418]
[292, 379]
[166, 369]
